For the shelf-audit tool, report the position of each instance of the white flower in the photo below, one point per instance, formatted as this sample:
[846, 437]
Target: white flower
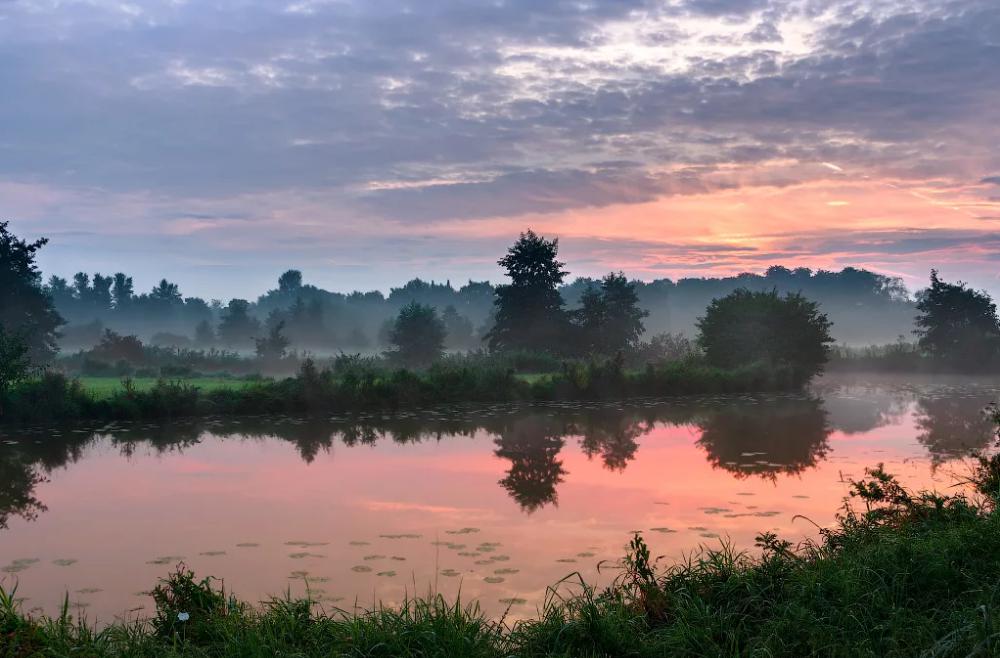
[183, 616]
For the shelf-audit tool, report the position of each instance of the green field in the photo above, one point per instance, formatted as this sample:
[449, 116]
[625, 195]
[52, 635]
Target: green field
[103, 387]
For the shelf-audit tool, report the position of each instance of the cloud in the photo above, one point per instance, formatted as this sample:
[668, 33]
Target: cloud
[183, 116]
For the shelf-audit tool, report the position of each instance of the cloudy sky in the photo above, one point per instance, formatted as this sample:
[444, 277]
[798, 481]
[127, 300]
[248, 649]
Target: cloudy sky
[218, 142]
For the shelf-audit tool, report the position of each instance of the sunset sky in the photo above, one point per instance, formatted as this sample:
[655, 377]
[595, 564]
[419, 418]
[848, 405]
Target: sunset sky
[365, 142]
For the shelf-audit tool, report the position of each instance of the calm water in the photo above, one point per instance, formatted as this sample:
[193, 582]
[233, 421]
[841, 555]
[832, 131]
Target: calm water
[500, 501]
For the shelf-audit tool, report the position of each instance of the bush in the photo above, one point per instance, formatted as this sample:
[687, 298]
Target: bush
[782, 332]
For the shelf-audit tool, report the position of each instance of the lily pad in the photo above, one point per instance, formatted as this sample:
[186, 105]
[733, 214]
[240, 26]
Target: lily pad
[64, 562]
[450, 573]
[361, 568]
[89, 590]
[493, 580]
[513, 601]
[386, 574]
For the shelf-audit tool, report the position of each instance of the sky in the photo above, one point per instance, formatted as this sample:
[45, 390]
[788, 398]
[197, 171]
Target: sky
[365, 142]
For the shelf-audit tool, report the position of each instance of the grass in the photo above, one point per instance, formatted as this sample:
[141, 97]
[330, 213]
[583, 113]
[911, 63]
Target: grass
[105, 387]
[901, 574]
[362, 386]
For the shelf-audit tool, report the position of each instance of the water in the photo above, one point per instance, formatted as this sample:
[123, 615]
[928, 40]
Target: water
[498, 501]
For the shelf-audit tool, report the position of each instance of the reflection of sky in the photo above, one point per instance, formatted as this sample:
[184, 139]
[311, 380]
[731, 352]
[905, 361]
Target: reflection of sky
[115, 514]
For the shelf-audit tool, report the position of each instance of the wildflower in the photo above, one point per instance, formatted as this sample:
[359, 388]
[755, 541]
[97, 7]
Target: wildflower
[183, 616]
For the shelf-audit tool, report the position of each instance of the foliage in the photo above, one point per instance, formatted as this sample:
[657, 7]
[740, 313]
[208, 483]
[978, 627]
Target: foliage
[25, 308]
[609, 319]
[529, 310]
[114, 347]
[958, 325]
[748, 327]
[237, 327]
[14, 362]
[188, 610]
[417, 335]
[661, 348]
[274, 346]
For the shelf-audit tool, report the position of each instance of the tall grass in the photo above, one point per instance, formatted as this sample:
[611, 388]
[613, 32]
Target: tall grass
[901, 573]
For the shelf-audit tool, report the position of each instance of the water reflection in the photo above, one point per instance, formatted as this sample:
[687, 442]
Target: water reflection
[745, 436]
[765, 440]
[952, 426]
[532, 444]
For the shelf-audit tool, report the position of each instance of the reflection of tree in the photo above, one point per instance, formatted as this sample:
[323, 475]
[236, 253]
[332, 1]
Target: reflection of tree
[782, 437]
[25, 465]
[17, 488]
[612, 434]
[861, 410]
[952, 427]
[531, 443]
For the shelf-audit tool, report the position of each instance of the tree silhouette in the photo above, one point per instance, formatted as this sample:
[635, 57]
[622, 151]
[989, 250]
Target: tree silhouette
[25, 308]
[274, 346]
[954, 426]
[748, 327]
[532, 445]
[609, 318]
[417, 336]
[238, 327]
[957, 324]
[784, 437]
[529, 310]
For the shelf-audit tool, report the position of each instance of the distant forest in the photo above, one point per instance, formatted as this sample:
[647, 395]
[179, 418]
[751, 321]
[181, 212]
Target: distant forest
[865, 307]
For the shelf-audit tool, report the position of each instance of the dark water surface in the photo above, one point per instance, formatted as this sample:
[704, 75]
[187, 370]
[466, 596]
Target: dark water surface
[498, 501]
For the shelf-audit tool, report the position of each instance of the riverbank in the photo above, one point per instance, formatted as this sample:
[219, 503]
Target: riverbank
[901, 574]
[55, 397]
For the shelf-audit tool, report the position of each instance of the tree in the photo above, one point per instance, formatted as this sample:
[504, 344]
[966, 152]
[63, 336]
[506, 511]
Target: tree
[609, 318]
[204, 335]
[418, 335]
[25, 307]
[166, 293]
[15, 363]
[290, 281]
[459, 330]
[957, 324]
[122, 290]
[748, 327]
[237, 326]
[116, 347]
[274, 346]
[529, 310]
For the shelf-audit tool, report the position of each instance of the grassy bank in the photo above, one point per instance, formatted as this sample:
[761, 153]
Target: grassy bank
[107, 387]
[902, 574]
[54, 397]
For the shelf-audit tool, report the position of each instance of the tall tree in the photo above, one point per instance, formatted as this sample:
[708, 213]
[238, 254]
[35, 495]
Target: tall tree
[417, 335]
[25, 308]
[609, 318]
[237, 326]
[529, 310]
[290, 282]
[958, 324]
[122, 290]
